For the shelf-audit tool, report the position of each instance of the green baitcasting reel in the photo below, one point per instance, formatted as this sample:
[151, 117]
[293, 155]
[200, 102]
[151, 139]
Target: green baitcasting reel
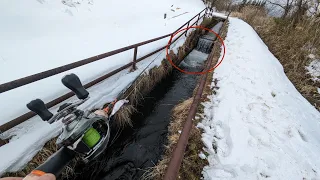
[84, 133]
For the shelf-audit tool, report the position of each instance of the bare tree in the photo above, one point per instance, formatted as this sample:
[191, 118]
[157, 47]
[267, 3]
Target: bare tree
[287, 7]
[301, 9]
[314, 10]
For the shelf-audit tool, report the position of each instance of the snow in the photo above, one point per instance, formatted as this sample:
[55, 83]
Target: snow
[314, 70]
[15, 154]
[40, 35]
[312, 56]
[219, 15]
[257, 125]
[202, 156]
[118, 105]
[99, 95]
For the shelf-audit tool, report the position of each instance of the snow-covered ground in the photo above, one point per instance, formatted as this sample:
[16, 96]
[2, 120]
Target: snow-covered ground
[38, 35]
[314, 69]
[257, 125]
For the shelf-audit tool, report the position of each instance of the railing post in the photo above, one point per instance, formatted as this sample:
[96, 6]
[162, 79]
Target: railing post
[187, 29]
[170, 42]
[198, 19]
[205, 12]
[134, 67]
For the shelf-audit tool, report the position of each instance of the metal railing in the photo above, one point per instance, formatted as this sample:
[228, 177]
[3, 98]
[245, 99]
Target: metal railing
[45, 74]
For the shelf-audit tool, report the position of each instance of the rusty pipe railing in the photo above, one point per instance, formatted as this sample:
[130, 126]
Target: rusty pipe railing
[177, 155]
[39, 76]
[45, 74]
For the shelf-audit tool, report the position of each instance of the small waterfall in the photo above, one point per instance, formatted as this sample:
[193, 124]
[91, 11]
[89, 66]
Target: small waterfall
[204, 45]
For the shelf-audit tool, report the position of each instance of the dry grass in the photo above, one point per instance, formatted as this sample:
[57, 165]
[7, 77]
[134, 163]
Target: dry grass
[3, 142]
[142, 86]
[124, 117]
[291, 45]
[253, 15]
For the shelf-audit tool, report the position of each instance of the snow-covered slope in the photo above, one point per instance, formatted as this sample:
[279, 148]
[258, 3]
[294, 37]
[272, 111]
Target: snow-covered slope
[38, 35]
[258, 125]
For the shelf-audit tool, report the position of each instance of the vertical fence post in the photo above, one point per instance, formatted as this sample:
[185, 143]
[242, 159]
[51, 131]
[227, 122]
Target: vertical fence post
[205, 13]
[134, 67]
[198, 19]
[187, 29]
[170, 42]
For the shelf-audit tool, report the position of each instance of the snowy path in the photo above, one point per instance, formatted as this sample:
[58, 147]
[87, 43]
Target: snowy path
[258, 125]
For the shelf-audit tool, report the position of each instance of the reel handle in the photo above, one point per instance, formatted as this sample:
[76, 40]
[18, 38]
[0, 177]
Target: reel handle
[73, 82]
[40, 108]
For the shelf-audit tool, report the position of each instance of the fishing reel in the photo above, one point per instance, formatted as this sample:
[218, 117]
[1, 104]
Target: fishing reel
[84, 133]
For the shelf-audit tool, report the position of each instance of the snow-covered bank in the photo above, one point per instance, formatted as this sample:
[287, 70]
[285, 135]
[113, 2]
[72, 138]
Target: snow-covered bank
[40, 35]
[314, 70]
[258, 125]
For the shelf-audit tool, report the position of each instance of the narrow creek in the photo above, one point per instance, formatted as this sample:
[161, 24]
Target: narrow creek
[141, 146]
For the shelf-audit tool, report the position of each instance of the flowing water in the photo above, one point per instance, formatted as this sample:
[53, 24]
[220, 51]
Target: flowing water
[204, 45]
[140, 147]
[205, 42]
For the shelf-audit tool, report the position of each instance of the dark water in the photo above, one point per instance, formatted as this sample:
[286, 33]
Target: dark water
[140, 147]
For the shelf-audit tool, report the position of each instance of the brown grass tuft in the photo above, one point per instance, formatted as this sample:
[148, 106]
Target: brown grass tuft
[3, 141]
[252, 15]
[123, 116]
